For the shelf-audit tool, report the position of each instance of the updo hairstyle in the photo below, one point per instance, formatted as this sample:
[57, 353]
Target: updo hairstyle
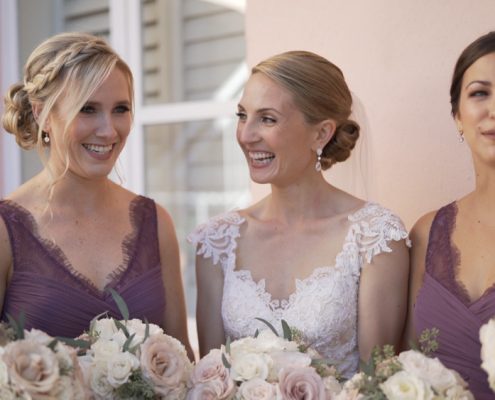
[71, 65]
[319, 91]
[480, 47]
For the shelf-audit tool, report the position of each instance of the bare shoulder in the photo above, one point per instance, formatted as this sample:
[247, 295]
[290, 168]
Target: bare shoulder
[421, 229]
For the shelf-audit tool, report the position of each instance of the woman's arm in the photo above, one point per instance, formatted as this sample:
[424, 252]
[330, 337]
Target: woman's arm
[175, 310]
[209, 280]
[383, 299]
[419, 238]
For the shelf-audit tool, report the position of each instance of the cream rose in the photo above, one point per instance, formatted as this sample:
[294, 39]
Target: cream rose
[105, 328]
[103, 350]
[332, 387]
[257, 389]
[120, 368]
[4, 374]
[430, 370]
[405, 386]
[31, 366]
[487, 339]
[246, 366]
[38, 336]
[98, 382]
[164, 362]
[209, 390]
[301, 383]
[281, 359]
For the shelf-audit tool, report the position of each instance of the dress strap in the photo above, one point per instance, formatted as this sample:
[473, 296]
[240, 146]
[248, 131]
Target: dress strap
[217, 238]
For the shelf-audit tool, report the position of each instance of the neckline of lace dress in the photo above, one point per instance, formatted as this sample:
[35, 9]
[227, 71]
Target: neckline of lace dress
[128, 245]
[460, 289]
[317, 273]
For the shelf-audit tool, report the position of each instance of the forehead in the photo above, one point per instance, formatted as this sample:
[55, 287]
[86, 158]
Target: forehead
[263, 92]
[482, 69]
[115, 85]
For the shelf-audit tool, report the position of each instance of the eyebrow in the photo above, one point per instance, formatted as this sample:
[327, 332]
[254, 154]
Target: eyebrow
[484, 83]
[262, 110]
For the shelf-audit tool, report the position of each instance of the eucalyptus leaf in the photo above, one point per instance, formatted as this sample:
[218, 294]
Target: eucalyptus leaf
[76, 343]
[17, 326]
[286, 330]
[227, 345]
[268, 324]
[127, 344]
[146, 330]
[225, 362]
[124, 311]
[122, 327]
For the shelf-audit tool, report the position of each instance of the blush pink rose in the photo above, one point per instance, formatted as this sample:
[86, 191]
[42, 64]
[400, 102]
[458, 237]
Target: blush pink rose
[301, 383]
[209, 390]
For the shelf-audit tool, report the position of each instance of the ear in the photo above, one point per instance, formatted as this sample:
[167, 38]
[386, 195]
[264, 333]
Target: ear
[325, 132]
[37, 109]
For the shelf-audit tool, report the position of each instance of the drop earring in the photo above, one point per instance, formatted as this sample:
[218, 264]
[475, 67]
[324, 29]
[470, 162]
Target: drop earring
[45, 137]
[461, 136]
[318, 161]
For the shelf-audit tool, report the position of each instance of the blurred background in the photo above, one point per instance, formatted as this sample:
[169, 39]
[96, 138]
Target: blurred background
[191, 59]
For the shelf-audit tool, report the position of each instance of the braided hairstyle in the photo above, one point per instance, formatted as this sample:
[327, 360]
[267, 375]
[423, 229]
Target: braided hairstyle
[320, 92]
[69, 66]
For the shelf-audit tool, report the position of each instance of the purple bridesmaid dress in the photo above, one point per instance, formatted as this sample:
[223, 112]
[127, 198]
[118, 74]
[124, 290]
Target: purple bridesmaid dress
[444, 303]
[61, 302]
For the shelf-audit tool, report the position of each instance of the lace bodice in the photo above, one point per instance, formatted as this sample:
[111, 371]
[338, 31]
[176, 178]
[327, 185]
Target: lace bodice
[323, 306]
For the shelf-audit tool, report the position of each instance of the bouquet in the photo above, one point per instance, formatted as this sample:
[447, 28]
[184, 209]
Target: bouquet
[487, 335]
[132, 359]
[34, 365]
[410, 375]
[265, 366]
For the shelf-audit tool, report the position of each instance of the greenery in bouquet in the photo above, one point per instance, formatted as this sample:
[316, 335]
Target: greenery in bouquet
[34, 365]
[410, 375]
[132, 359]
[266, 366]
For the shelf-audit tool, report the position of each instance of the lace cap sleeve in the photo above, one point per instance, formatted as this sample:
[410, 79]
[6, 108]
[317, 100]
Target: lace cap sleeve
[373, 228]
[217, 237]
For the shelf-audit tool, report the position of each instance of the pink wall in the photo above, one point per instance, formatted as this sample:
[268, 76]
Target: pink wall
[397, 57]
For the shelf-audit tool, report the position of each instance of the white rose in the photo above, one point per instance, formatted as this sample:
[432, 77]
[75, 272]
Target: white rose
[138, 327]
[4, 374]
[430, 370]
[105, 328]
[120, 367]
[7, 393]
[38, 336]
[332, 387]
[267, 341]
[98, 382]
[404, 386]
[458, 393]
[487, 339]
[257, 389]
[104, 349]
[247, 366]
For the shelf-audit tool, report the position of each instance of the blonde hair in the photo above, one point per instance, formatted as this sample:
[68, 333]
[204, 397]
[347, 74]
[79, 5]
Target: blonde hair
[73, 64]
[319, 92]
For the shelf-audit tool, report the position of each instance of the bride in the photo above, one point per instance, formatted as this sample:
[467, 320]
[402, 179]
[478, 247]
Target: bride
[333, 266]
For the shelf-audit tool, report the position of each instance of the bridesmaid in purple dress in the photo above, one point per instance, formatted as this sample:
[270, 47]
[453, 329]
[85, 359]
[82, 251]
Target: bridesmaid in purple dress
[70, 233]
[453, 256]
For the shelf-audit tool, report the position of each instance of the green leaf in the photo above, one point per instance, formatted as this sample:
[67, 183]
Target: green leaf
[17, 326]
[227, 345]
[287, 331]
[124, 311]
[128, 342]
[146, 330]
[122, 327]
[225, 362]
[256, 333]
[268, 324]
[93, 322]
[53, 344]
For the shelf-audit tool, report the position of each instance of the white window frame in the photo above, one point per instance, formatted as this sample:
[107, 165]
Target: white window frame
[125, 37]
[10, 164]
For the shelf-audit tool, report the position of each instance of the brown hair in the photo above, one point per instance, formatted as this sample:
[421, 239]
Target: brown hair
[480, 47]
[320, 92]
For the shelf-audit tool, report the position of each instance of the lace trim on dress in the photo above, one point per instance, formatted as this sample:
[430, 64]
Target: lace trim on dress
[23, 215]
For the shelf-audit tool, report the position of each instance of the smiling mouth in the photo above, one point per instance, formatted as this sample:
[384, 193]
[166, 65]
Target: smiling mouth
[98, 149]
[261, 157]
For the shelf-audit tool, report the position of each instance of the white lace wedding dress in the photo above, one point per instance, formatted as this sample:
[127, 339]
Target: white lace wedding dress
[323, 306]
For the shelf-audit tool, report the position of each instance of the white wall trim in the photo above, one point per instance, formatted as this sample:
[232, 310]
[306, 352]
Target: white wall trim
[10, 164]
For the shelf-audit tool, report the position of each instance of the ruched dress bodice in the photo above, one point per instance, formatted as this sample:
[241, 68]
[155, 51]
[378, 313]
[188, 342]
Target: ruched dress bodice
[55, 298]
[443, 303]
[323, 306]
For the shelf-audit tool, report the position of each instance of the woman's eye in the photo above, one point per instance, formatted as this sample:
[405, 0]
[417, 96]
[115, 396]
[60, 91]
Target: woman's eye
[478, 93]
[268, 120]
[242, 116]
[87, 109]
[122, 109]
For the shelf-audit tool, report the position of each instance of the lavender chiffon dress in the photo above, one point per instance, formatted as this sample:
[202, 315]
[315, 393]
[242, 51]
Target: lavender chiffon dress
[61, 302]
[443, 302]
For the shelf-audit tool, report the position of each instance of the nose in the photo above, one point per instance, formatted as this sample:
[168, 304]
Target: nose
[247, 132]
[106, 126]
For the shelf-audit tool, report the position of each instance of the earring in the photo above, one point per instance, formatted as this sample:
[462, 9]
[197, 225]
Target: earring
[318, 161]
[45, 137]
[461, 136]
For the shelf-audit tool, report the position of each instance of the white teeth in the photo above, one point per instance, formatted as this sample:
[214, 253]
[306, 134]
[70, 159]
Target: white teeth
[97, 148]
[261, 156]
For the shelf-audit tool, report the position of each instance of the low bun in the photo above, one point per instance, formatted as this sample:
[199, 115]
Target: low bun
[339, 147]
[18, 117]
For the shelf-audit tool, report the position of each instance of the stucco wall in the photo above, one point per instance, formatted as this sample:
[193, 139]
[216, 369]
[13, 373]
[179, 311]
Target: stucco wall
[398, 58]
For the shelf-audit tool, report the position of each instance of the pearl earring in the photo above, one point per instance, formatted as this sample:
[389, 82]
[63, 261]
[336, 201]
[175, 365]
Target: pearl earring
[45, 137]
[318, 161]
[461, 136]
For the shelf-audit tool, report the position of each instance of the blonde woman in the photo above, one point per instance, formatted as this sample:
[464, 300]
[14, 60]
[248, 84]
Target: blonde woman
[332, 265]
[70, 233]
